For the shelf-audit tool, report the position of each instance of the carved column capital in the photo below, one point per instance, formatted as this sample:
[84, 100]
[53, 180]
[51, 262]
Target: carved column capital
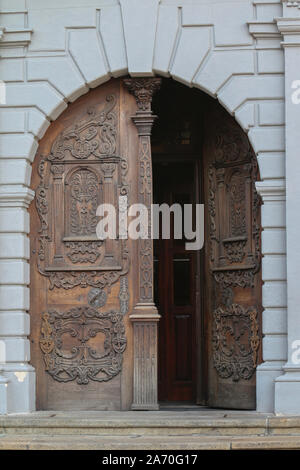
[143, 90]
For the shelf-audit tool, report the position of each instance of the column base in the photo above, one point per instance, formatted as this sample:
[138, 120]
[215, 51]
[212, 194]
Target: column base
[266, 373]
[145, 407]
[21, 387]
[144, 319]
[287, 392]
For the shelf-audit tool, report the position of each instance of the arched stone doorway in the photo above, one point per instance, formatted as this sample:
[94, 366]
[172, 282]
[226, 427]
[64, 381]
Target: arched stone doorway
[95, 344]
[244, 70]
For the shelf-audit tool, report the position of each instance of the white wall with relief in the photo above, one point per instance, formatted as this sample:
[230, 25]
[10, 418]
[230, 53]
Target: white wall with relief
[53, 52]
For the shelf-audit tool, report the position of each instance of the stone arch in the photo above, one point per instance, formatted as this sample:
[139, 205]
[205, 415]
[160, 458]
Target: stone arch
[241, 65]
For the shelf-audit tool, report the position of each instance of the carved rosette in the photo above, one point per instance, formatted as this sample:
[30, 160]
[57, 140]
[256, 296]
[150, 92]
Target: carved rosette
[235, 250]
[83, 344]
[235, 341]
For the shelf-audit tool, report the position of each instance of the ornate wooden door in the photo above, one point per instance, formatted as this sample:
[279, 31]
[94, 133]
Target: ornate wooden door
[232, 263]
[82, 288]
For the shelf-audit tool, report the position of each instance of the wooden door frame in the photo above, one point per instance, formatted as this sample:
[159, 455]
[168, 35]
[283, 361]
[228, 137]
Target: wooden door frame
[145, 315]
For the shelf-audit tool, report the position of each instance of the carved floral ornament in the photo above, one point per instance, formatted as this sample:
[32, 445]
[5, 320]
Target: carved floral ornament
[93, 136]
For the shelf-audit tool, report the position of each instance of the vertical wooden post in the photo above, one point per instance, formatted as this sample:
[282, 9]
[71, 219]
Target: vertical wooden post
[145, 315]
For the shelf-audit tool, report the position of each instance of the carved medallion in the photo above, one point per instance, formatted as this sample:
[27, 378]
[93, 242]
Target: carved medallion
[83, 344]
[97, 297]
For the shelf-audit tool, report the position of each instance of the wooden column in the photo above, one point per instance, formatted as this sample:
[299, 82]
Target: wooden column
[145, 315]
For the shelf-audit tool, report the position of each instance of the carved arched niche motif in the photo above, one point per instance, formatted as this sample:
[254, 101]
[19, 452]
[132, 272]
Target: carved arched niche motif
[83, 190]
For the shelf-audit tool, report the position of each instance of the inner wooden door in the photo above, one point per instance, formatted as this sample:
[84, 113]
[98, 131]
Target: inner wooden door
[175, 288]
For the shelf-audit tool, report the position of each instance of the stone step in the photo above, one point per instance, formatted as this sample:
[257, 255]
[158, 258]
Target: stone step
[72, 442]
[128, 426]
[189, 429]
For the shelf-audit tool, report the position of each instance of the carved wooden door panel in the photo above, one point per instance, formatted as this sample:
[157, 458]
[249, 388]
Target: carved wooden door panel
[232, 266]
[82, 287]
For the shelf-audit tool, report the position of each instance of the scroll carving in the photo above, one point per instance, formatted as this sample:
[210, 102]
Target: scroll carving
[235, 341]
[69, 279]
[83, 252]
[94, 136]
[83, 344]
[235, 278]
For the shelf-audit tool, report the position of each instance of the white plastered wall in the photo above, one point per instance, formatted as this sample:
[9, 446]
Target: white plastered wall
[53, 52]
